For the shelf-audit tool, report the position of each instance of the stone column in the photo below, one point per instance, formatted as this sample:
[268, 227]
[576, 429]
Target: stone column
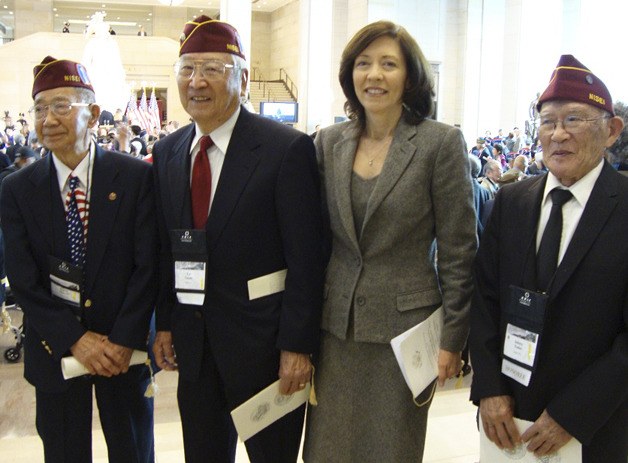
[238, 14]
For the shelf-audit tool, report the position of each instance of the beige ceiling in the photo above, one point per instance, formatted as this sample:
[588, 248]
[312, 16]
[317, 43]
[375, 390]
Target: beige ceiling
[124, 15]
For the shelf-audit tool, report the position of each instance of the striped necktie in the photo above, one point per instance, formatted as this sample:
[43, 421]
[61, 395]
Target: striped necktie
[76, 235]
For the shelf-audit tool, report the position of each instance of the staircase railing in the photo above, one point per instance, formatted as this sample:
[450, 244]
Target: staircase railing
[259, 80]
[258, 77]
[290, 85]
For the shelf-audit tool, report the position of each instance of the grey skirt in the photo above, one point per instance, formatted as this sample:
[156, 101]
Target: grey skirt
[365, 410]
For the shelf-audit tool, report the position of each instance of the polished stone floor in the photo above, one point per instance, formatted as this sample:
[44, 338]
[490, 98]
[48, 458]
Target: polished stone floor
[451, 435]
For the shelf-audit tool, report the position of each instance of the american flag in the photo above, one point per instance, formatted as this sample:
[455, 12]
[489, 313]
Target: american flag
[143, 113]
[83, 208]
[132, 113]
[153, 111]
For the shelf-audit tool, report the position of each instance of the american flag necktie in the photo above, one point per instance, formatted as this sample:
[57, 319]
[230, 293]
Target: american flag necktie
[74, 224]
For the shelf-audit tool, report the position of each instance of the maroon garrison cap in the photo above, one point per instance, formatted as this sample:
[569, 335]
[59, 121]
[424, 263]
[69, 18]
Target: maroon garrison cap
[204, 34]
[572, 81]
[54, 73]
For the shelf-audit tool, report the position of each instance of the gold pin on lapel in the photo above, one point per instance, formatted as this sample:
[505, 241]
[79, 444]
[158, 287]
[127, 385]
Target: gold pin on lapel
[47, 347]
[112, 196]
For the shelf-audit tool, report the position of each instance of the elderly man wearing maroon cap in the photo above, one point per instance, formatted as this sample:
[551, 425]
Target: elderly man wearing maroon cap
[89, 295]
[549, 325]
[238, 201]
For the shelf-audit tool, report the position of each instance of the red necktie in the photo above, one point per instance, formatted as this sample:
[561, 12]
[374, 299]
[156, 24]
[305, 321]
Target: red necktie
[201, 184]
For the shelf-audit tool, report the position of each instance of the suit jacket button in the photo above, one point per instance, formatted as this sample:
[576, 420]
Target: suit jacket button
[198, 314]
[88, 303]
[358, 261]
[361, 300]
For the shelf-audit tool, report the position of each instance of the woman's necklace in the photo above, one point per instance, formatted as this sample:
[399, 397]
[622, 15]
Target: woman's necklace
[376, 149]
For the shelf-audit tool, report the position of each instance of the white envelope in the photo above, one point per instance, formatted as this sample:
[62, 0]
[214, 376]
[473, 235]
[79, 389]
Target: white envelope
[417, 350]
[268, 284]
[71, 368]
[490, 453]
[264, 408]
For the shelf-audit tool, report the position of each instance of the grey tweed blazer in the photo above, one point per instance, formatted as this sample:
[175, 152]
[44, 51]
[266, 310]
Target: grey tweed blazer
[423, 199]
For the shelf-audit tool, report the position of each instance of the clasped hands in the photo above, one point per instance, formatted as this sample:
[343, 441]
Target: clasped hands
[101, 356]
[544, 437]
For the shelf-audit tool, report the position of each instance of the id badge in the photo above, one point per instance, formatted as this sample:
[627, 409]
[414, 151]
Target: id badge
[190, 265]
[65, 281]
[520, 344]
[525, 316]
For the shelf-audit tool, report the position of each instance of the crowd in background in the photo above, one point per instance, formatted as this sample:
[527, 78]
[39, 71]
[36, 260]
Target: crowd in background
[510, 158]
[19, 141]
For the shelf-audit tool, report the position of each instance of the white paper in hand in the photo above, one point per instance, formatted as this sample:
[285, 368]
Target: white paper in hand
[490, 453]
[417, 350]
[71, 368]
[264, 408]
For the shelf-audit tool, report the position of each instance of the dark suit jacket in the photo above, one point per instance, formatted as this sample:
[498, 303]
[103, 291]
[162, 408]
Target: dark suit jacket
[582, 372]
[265, 217]
[120, 282]
[480, 197]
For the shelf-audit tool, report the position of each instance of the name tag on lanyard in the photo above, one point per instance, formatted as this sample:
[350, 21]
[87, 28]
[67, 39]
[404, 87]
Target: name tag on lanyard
[189, 250]
[525, 317]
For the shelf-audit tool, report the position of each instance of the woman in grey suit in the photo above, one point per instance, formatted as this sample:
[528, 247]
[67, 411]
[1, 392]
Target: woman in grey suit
[397, 186]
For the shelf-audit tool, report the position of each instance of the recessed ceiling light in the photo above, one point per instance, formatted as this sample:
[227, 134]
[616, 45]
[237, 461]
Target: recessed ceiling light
[150, 14]
[56, 15]
[54, 9]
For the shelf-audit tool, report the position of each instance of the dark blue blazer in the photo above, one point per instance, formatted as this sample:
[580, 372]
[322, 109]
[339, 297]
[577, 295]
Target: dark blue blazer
[582, 372]
[120, 270]
[265, 217]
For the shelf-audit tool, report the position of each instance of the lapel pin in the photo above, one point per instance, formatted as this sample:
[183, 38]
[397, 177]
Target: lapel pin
[112, 196]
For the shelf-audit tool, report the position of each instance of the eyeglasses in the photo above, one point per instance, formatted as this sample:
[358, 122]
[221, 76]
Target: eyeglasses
[58, 108]
[571, 124]
[210, 70]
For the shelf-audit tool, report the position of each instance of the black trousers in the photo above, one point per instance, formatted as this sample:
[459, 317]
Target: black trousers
[64, 420]
[209, 435]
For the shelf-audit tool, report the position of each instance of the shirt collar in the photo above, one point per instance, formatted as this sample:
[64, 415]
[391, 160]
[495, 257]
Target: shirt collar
[81, 171]
[220, 136]
[581, 190]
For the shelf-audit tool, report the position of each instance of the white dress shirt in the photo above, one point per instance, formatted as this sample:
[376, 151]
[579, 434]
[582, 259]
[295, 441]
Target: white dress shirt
[83, 171]
[572, 209]
[216, 154]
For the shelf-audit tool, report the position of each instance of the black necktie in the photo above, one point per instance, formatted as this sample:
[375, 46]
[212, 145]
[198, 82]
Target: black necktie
[547, 255]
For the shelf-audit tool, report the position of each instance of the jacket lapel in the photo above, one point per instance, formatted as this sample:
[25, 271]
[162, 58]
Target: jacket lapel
[342, 158]
[241, 157]
[46, 192]
[105, 198]
[599, 207]
[178, 168]
[400, 154]
[528, 218]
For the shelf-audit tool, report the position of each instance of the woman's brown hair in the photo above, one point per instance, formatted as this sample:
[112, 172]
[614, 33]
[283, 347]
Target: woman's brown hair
[418, 97]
